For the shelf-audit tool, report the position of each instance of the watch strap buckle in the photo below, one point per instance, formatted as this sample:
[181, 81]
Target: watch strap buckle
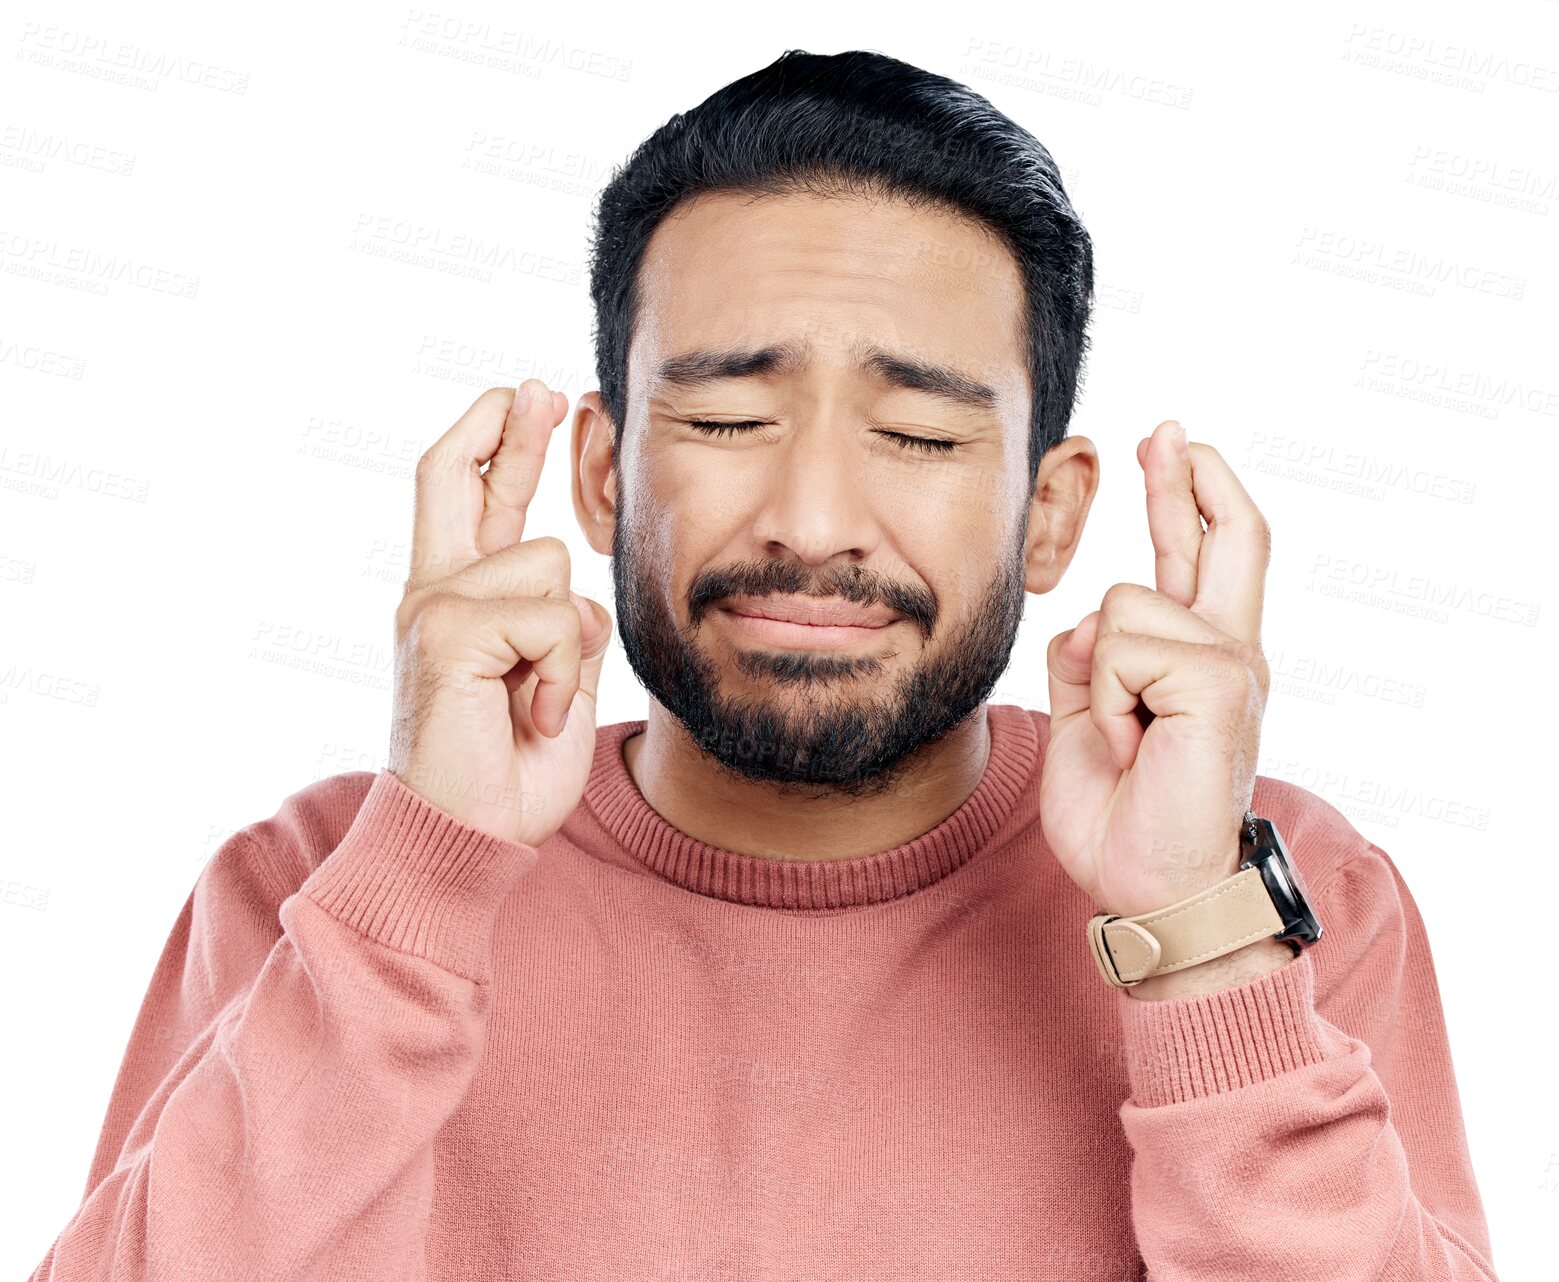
[1128, 955]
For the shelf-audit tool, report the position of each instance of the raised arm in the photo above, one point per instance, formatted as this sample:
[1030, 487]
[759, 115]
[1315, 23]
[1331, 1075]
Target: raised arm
[301, 1045]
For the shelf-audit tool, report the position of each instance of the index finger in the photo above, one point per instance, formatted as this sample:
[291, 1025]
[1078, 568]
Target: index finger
[1174, 525]
[460, 515]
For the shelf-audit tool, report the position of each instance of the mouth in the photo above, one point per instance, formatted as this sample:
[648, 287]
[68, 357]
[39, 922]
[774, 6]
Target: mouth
[813, 622]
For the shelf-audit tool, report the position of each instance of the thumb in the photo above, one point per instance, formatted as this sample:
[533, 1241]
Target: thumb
[594, 641]
[1070, 661]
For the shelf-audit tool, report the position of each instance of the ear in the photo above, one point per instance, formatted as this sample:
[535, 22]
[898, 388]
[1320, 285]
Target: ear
[594, 472]
[1063, 492]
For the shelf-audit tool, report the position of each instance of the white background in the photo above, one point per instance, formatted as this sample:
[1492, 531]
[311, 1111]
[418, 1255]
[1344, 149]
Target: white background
[1326, 242]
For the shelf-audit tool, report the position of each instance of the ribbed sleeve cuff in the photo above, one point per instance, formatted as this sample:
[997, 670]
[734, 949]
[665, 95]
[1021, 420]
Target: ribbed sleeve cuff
[413, 877]
[1184, 1048]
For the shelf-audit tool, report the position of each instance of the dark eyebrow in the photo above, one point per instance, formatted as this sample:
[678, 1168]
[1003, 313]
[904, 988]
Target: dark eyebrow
[697, 368]
[694, 369]
[924, 376]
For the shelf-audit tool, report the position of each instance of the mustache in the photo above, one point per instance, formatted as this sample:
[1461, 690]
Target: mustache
[779, 578]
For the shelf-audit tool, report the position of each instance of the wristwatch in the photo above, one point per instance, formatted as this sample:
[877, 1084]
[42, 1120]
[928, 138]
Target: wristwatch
[1266, 899]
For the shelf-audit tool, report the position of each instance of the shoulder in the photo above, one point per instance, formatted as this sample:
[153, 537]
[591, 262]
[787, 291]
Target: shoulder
[229, 921]
[1320, 839]
[307, 825]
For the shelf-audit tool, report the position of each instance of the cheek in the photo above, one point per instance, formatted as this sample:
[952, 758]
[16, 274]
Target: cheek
[706, 519]
[687, 486]
[955, 551]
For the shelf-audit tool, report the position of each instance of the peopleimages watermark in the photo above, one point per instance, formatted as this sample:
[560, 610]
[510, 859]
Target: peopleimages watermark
[1444, 385]
[1065, 75]
[1316, 679]
[1399, 267]
[45, 259]
[1371, 799]
[480, 364]
[47, 685]
[16, 894]
[321, 652]
[373, 449]
[455, 253]
[504, 48]
[30, 472]
[339, 758]
[30, 149]
[41, 360]
[121, 62]
[1524, 188]
[536, 162]
[1445, 62]
[15, 570]
[1421, 595]
[1322, 463]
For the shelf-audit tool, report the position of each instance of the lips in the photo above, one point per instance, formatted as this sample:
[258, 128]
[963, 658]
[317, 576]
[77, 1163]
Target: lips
[811, 611]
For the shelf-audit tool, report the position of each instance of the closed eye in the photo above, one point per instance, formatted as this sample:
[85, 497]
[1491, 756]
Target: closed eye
[925, 444]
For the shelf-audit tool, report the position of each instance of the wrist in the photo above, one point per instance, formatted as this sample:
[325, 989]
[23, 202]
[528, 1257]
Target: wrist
[1226, 934]
[1228, 971]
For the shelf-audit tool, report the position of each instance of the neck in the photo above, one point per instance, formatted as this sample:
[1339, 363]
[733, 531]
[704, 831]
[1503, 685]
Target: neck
[693, 793]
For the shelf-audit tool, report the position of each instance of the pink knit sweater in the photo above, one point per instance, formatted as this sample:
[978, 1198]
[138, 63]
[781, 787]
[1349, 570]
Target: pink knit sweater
[383, 1045]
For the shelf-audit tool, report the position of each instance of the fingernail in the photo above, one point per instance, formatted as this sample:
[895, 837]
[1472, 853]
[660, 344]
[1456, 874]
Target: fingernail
[522, 397]
[1180, 446]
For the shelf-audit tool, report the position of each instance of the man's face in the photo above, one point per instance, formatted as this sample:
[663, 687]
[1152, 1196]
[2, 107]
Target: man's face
[826, 505]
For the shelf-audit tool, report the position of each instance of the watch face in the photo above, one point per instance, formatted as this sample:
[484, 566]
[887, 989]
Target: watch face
[1289, 868]
[1286, 884]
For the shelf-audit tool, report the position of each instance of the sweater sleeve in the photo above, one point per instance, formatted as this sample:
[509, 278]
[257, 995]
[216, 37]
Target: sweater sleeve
[1307, 1120]
[294, 1057]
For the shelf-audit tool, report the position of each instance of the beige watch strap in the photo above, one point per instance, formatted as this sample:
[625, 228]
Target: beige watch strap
[1231, 914]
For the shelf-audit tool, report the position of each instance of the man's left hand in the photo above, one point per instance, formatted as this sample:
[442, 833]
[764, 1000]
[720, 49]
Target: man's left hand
[1156, 698]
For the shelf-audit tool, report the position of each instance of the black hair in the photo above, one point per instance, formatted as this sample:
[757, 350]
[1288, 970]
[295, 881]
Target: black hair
[858, 122]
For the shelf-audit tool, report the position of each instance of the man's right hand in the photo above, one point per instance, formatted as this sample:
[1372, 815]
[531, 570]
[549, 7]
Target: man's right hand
[493, 651]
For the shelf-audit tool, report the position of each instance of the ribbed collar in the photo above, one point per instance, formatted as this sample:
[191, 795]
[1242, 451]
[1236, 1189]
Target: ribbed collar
[695, 865]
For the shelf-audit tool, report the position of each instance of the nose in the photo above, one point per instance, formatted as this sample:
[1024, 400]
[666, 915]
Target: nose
[814, 504]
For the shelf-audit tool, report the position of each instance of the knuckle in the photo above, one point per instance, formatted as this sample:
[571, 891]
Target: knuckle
[1236, 676]
[1261, 672]
[1110, 641]
[554, 553]
[406, 612]
[491, 400]
[1117, 594]
[431, 622]
[555, 619]
[1252, 653]
[1255, 688]
[1244, 653]
[429, 464]
[573, 627]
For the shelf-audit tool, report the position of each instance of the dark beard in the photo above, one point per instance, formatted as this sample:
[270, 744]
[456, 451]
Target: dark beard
[853, 749]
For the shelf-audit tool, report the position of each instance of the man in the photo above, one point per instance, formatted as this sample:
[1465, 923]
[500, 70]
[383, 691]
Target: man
[826, 969]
